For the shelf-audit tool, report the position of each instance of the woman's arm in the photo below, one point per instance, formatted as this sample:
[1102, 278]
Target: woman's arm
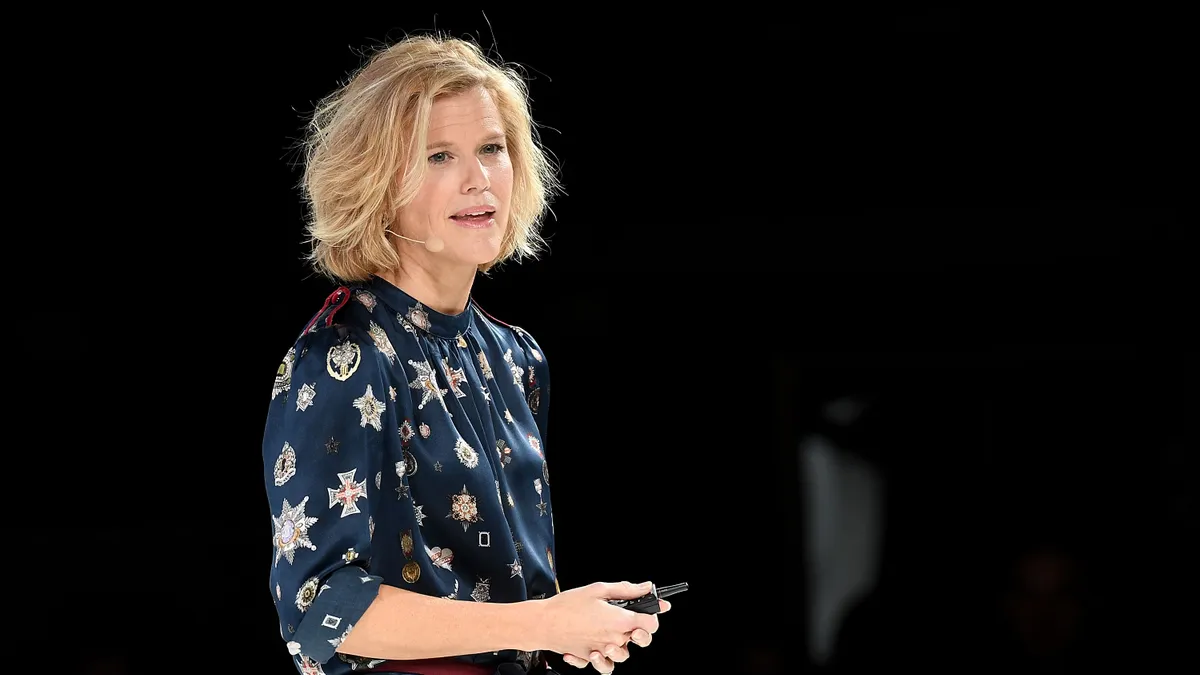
[402, 625]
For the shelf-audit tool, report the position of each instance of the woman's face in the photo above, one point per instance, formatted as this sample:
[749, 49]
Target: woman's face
[464, 198]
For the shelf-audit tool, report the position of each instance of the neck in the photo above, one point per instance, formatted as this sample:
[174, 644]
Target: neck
[443, 289]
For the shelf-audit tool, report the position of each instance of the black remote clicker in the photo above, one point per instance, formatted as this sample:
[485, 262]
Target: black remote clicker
[648, 604]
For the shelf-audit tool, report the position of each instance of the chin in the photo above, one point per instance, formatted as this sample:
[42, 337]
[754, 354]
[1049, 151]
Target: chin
[482, 249]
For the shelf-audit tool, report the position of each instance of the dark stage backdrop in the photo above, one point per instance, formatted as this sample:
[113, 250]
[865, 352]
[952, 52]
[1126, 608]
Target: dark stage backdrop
[971, 222]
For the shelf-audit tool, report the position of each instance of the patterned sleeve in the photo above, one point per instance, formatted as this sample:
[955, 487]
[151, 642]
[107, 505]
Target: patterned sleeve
[321, 447]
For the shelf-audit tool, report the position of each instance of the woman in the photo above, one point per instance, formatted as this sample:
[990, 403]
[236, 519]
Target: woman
[403, 453]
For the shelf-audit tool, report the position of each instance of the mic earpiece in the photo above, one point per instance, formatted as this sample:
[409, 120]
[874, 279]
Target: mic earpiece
[433, 244]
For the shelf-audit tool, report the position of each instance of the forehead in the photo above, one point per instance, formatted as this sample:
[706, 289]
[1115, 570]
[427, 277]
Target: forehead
[468, 114]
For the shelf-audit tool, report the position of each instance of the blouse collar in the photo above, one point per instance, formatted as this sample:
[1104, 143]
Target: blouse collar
[411, 312]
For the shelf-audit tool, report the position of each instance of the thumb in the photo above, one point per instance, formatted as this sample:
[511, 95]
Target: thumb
[625, 590]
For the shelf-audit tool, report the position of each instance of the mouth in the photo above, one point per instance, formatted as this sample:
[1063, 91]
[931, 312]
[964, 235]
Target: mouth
[475, 216]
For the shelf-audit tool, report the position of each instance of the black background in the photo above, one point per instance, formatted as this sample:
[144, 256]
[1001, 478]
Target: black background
[977, 217]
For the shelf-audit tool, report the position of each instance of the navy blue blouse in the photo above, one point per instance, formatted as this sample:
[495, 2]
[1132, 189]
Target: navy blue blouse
[404, 446]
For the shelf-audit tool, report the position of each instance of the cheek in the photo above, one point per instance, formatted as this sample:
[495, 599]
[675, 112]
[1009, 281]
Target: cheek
[430, 198]
[502, 181]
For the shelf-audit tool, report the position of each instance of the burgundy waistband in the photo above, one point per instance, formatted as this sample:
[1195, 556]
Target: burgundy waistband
[433, 667]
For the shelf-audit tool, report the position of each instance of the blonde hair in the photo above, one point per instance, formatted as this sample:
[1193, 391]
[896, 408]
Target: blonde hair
[364, 153]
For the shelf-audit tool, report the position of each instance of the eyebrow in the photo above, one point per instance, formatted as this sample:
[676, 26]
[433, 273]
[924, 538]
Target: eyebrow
[494, 138]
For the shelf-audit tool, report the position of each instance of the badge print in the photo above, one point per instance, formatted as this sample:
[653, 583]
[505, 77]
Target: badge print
[498, 497]
[278, 592]
[440, 557]
[514, 569]
[343, 360]
[285, 465]
[382, 343]
[535, 444]
[419, 317]
[466, 454]
[310, 667]
[392, 393]
[504, 451]
[307, 593]
[406, 324]
[283, 376]
[462, 341]
[371, 410]
[437, 466]
[482, 591]
[350, 555]
[411, 571]
[305, 396]
[406, 432]
[378, 479]
[402, 491]
[464, 509]
[535, 400]
[537, 485]
[347, 493]
[550, 560]
[508, 416]
[485, 366]
[366, 299]
[536, 355]
[336, 641]
[546, 472]
[419, 514]
[408, 466]
[517, 371]
[454, 594]
[485, 540]
[356, 662]
[291, 531]
[331, 446]
[426, 384]
[423, 430]
[454, 376]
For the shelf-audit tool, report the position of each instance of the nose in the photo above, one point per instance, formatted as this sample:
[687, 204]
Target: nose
[476, 178]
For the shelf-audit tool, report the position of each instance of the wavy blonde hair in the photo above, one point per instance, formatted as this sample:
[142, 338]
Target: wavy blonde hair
[364, 153]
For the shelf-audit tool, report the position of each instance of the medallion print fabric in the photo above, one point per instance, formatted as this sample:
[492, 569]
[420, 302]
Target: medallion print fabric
[404, 447]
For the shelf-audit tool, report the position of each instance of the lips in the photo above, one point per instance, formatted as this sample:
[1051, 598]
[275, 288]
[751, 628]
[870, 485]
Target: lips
[473, 212]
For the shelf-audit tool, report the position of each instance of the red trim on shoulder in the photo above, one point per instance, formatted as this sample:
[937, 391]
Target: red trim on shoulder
[338, 299]
[485, 313]
[341, 296]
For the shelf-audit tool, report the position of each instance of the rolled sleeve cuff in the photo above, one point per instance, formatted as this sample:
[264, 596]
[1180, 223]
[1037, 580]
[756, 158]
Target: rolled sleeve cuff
[344, 598]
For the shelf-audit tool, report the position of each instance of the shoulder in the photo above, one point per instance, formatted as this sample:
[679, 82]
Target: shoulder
[336, 342]
[509, 335]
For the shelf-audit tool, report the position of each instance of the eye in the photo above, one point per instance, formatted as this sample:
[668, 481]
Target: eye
[439, 157]
[493, 149]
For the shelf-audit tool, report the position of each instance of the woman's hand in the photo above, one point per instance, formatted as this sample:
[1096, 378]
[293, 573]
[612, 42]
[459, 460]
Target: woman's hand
[604, 660]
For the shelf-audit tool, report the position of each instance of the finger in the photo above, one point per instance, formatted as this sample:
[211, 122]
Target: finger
[646, 622]
[640, 637]
[616, 653]
[572, 660]
[601, 664]
[623, 590]
[663, 606]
